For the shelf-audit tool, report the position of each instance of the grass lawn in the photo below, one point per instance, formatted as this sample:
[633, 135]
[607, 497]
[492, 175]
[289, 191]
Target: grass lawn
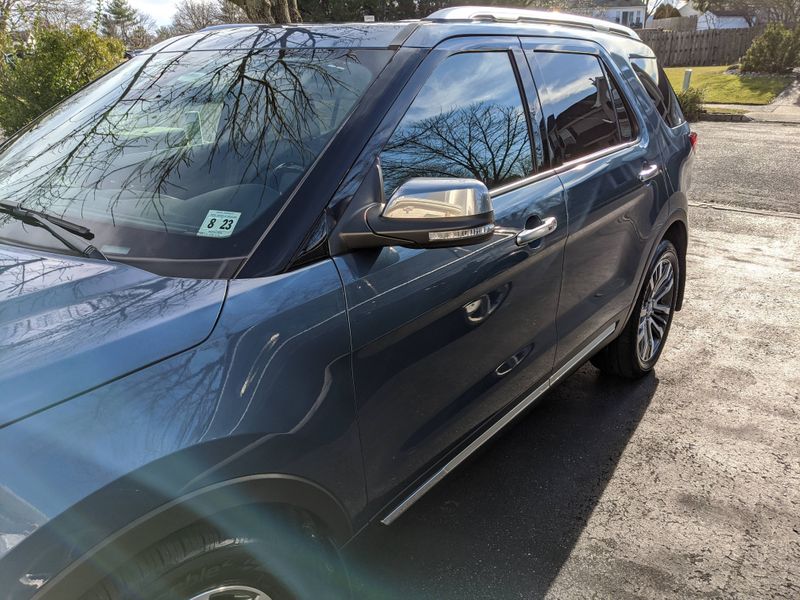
[730, 89]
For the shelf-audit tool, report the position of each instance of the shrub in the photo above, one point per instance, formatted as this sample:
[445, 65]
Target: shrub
[691, 102]
[666, 11]
[56, 66]
[777, 50]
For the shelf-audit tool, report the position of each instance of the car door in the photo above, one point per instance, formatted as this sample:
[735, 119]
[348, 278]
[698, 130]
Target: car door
[614, 183]
[444, 339]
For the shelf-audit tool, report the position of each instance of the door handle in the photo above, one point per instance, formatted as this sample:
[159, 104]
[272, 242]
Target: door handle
[648, 172]
[527, 236]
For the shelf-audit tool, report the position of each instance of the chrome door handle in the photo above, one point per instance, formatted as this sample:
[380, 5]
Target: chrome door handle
[649, 172]
[527, 236]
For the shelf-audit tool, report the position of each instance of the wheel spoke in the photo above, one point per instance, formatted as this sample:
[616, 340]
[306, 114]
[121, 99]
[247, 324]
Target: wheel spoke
[641, 339]
[663, 290]
[660, 276]
[661, 320]
[659, 329]
[663, 309]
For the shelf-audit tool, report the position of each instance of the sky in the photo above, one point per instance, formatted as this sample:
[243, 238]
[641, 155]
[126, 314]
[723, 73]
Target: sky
[161, 10]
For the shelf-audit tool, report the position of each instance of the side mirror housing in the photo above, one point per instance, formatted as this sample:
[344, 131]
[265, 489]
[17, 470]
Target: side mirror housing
[426, 213]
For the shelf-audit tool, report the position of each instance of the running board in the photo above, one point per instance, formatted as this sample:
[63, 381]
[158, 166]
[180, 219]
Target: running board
[499, 425]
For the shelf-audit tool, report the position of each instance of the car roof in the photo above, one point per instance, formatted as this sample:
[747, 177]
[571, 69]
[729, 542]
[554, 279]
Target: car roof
[425, 33]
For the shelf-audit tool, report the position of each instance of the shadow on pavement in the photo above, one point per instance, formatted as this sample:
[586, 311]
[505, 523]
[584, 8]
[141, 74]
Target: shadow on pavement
[502, 524]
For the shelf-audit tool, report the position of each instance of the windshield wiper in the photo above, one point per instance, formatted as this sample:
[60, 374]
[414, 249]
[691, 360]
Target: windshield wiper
[68, 233]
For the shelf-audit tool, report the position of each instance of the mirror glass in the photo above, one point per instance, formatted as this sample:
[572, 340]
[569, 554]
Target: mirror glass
[437, 198]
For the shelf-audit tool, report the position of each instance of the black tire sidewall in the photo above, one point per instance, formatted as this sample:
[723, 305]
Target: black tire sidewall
[224, 566]
[287, 563]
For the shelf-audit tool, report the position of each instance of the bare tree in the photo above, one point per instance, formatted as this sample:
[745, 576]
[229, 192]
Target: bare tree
[231, 13]
[16, 15]
[193, 15]
[485, 141]
[270, 11]
[61, 13]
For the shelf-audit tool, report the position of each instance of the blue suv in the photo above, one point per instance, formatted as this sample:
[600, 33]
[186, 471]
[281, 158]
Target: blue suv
[263, 286]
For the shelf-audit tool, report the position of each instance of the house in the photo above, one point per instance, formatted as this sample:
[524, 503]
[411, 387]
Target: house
[624, 12]
[719, 19]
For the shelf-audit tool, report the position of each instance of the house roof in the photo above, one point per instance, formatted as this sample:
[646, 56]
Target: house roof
[729, 13]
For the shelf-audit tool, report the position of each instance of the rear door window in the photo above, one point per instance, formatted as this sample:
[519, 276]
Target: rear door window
[468, 120]
[585, 110]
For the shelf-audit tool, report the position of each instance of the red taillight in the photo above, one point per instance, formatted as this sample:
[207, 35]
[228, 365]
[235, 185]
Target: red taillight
[693, 139]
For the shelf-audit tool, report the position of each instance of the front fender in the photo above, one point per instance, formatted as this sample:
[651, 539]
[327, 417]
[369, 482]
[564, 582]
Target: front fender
[270, 391]
[205, 504]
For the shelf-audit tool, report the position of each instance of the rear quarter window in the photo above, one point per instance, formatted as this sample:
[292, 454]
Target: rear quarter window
[659, 89]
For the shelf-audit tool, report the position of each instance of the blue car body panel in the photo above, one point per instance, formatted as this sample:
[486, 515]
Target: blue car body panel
[69, 325]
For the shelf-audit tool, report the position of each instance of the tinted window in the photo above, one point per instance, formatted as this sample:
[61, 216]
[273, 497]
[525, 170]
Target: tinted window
[659, 89]
[626, 123]
[580, 104]
[468, 120]
[183, 155]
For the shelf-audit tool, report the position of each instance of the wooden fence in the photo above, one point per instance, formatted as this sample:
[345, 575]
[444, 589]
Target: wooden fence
[699, 48]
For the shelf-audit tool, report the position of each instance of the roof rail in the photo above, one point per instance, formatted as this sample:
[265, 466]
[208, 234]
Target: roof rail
[233, 26]
[521, 15]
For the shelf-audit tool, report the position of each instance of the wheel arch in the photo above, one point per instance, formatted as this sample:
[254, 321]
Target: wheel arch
[675, 229]
[255, 492]
[678, 233]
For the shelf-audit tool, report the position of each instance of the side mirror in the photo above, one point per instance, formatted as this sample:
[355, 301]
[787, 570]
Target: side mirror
[428, 213]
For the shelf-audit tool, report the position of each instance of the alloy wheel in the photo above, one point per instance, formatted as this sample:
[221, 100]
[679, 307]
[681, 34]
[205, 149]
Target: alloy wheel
[232, 592]
[656, 309]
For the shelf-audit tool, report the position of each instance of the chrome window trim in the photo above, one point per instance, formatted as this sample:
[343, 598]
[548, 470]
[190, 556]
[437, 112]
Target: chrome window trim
[584, 160]
[498, 426]
[578, 162]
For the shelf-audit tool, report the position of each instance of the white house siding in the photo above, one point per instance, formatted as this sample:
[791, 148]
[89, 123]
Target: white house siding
[711, 21]
[615, 15]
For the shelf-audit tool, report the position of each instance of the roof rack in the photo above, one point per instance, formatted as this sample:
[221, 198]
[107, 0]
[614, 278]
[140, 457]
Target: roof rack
[231, 26]
[520, 15]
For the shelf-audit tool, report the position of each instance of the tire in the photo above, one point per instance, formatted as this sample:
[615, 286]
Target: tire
[264, 557]
[631, 355]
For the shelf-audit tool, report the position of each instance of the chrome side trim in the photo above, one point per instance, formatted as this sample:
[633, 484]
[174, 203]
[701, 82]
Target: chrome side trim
[567, 166]
[583, 354]
[499, 425]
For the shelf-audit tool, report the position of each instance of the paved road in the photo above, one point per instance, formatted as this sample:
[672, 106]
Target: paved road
[683, 485]
[751, 165]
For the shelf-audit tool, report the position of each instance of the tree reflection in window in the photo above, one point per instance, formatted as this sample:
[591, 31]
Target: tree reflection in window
[467, 121]
[154, 146]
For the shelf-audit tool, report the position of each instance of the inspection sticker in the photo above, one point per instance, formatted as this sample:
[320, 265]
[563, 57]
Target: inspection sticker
[219, 224]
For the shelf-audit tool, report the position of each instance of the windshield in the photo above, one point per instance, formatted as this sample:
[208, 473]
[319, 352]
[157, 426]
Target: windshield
[182, 156]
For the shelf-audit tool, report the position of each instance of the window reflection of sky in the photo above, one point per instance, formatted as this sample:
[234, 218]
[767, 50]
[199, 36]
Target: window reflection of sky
[568, 79]
[461, 77]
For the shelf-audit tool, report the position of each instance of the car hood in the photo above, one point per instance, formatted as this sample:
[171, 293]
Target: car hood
[68, 325]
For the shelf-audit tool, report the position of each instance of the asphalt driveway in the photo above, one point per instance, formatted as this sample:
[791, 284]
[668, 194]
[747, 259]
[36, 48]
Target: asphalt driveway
[683, 485]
